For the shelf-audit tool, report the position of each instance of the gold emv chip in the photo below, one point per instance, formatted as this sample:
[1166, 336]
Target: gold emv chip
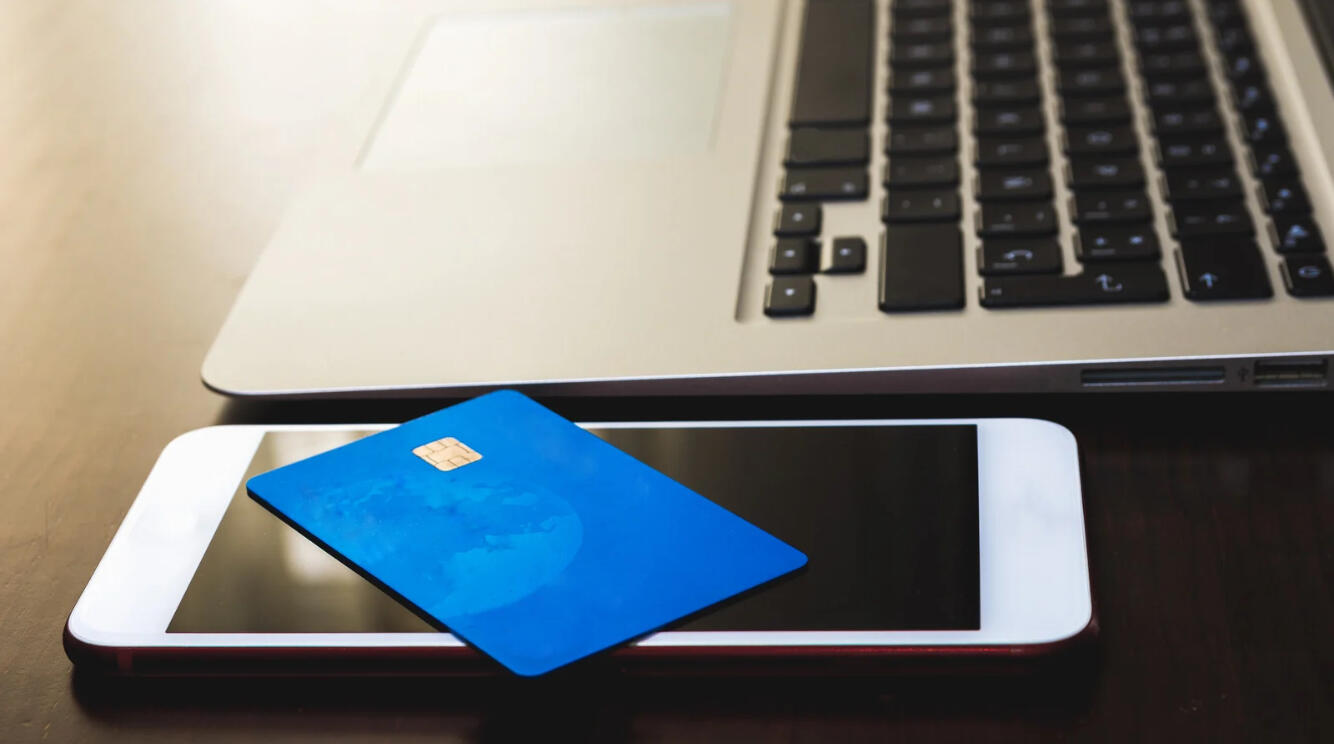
[447, 454]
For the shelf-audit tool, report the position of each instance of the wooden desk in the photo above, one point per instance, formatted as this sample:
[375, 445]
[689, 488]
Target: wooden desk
[149, 149]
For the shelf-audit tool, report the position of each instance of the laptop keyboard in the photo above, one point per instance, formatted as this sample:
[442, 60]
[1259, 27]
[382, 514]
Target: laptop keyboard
[1215, 248]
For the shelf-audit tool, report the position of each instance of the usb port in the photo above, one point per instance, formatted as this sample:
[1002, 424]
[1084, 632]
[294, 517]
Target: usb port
[1291, 372]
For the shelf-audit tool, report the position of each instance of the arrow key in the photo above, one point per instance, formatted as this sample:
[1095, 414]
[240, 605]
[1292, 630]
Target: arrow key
[1222, 270]
[790, 295]
[848, 256]
[794, 256]
[1308, 276]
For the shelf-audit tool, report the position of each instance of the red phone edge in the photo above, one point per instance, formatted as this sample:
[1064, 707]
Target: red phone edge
[650, 661]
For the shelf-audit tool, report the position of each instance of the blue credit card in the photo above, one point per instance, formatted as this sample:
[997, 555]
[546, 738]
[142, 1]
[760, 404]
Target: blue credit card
[528, 537]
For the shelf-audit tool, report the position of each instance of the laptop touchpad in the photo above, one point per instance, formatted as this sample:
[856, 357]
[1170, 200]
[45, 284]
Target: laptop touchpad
[556, 85]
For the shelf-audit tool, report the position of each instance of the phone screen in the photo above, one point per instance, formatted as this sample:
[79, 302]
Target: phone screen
[888, 517]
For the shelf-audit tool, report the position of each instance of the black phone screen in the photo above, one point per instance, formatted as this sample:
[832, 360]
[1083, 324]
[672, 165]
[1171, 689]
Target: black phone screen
[888, 517]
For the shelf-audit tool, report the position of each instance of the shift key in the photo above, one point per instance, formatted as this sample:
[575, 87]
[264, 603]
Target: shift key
[921, 268]
[1106, 284]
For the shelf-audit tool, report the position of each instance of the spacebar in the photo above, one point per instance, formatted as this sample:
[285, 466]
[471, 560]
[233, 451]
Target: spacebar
[921, 268]
[1144, 283]
[833, 83]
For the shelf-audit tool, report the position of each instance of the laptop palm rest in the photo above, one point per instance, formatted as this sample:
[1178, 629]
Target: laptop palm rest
[575, 85]
[547, 194]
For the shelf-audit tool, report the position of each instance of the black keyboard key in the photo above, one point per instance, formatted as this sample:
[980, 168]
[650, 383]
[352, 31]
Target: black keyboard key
[1169, 121]
[1091, 81]
[1226, 270]
[1094, 207]
[1204, 219]
[1098, 141]
[1013, 185]
[793, 220]
[1003, 219]
[1172, 37]
[921, 54]
[921, 172]
[790, 295]
[1186, 184]
[921, 206]
[1233, 40]
[1252, 96]
[1225, 13]
[1166, 65]
[1158, 11]
[824, 184]
[828, 147]
[1262, 128]
[794, 256]
[1006, 151]
[1019, 256]
[921, 268]
[1009, 121]
[1271, 160]
[921, 140]
[917, 110]
[1283, 195]
[1193, 153]
[916, 30]
[1308, 276]
[1082, 28]
[1011, 92]
[921, 8]
[833, 83]
[1295, 234]
[848, 256]
[1087, 111]
[1000, 38]
[1193, 93]
[1098, 174]
[1104, 284]
[1116, 243]
[992, 65]
[1243, 66]
[1068, 8]
[998, 12]
[926, 81]
[1074, 54]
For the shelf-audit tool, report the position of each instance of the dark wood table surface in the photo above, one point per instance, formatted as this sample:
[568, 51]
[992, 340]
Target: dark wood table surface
[150, 147]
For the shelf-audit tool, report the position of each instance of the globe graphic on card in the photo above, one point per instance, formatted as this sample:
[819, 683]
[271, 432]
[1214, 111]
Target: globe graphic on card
[462, 548]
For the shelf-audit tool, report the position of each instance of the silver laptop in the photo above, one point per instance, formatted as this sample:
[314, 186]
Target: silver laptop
[819, 196]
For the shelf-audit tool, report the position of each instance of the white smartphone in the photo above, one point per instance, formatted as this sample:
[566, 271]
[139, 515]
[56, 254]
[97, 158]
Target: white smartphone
[926, 540]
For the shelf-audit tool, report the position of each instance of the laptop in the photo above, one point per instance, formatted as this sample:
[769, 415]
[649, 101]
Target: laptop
[818, 196]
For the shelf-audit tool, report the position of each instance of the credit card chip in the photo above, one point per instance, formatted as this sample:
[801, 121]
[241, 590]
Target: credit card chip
[447, 454]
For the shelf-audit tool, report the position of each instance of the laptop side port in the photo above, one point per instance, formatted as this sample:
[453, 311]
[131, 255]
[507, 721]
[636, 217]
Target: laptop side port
[1119, 376]
[1291, 372]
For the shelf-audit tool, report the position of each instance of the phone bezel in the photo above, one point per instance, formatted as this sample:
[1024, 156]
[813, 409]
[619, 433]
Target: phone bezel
[1034, 566]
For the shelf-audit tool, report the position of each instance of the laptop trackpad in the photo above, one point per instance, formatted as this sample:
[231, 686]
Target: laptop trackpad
[556, 86]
